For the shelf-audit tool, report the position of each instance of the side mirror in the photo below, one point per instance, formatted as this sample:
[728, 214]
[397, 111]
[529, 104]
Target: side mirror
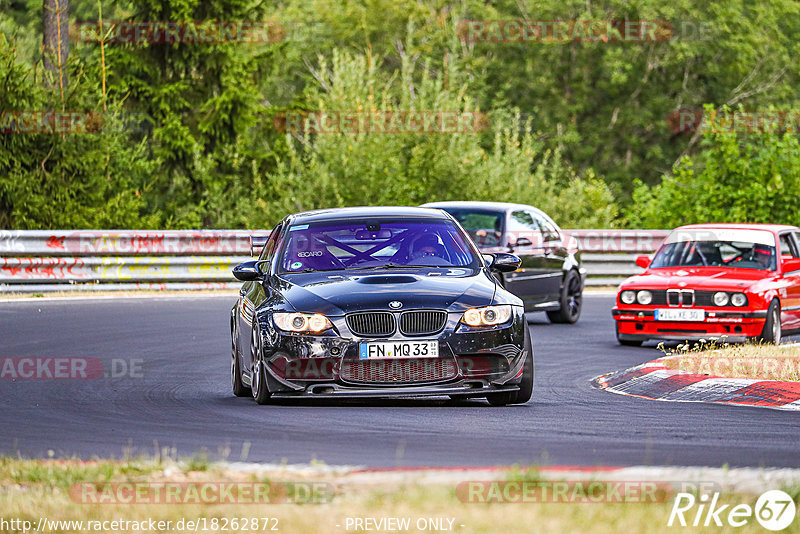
[248, 271]
[504, 263]
[643, 261]
[791, 265]
[523, 242]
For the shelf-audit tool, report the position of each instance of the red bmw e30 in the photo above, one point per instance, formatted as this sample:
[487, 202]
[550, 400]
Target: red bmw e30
[713, 281]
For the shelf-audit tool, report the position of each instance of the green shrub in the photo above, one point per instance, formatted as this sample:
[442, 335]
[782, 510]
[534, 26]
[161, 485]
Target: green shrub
[741, 178]
[506, 162]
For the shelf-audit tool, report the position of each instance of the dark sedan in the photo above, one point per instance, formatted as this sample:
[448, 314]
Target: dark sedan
[551, 277]
[378, 302]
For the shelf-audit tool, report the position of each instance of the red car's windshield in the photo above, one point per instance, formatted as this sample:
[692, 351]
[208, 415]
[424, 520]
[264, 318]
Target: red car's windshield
[740, 254]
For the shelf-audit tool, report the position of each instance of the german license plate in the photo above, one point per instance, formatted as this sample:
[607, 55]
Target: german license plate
[680, 315]
[399, 349]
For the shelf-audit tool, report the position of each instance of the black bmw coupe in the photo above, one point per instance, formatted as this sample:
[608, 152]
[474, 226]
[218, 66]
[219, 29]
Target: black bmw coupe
[378, 302]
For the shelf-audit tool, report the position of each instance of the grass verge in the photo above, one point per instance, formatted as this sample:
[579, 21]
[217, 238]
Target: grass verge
[762, 362]
[32, 489]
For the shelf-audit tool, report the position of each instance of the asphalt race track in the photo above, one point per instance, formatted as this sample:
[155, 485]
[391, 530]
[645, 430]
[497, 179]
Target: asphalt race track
[179, 397]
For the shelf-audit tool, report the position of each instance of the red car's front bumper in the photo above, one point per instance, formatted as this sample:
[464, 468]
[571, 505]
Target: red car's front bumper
[639, 324]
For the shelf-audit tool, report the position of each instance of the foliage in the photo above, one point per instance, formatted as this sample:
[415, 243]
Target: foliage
[505, 163]
[577, 129]
[90, 180]
[751, 177]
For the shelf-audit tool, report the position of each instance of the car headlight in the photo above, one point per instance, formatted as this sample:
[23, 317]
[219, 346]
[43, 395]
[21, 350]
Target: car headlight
[628, 297]
[720, 298]
[644, 297]
[301, 322]
[487, 315]
[739, 299]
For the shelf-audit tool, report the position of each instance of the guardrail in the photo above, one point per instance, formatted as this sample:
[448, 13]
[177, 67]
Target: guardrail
[57, 260]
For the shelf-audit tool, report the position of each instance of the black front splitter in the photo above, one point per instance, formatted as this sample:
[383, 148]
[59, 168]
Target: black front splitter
[339, 391]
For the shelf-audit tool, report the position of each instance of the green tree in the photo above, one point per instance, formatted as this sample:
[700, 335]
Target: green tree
[752, 177]
[69, 180]
[505, 163]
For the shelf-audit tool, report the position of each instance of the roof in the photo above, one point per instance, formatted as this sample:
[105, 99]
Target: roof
[364, 212]
[479, 204]
[740, 226]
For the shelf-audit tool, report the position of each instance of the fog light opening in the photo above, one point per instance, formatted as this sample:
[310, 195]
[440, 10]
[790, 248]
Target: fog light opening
[738, 329]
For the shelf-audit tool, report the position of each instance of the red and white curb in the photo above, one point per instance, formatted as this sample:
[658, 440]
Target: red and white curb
[653, 380]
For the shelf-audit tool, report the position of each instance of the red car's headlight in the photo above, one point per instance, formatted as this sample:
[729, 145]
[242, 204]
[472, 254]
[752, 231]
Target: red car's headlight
[721, 298]
[739, 299]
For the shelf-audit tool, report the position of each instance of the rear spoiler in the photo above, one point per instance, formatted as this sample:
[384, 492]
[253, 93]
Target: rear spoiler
[257, 243]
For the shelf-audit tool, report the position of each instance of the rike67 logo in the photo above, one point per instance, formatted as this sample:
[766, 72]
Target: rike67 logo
[774, 510]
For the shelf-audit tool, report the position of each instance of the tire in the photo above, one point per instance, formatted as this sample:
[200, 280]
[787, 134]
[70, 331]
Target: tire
[772, 332]
[526, 384]
[571, 300]
[627, 342]
[258, 378]
[500, 399]
[239, 389]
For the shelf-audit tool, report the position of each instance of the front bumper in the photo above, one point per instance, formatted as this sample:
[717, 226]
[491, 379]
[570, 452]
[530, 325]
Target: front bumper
[471, 363]
[639, 324]
[339, 391]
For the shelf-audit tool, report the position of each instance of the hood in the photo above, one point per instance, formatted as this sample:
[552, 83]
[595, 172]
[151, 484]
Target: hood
[720, 278]
[338, 293]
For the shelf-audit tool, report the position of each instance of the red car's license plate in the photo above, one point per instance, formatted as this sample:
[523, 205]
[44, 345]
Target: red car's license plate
[680, 315]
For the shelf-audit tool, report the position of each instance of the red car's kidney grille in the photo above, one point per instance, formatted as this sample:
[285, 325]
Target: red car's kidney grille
[422, 322]
[398, 370]
[372, 324]
[682, 297]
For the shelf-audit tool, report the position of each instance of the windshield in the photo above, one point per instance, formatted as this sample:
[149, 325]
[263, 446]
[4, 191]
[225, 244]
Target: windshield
[485, 227]
[337, 245]
[742, 254]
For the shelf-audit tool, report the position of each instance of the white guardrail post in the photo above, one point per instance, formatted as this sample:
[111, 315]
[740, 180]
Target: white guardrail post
[57, 260]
